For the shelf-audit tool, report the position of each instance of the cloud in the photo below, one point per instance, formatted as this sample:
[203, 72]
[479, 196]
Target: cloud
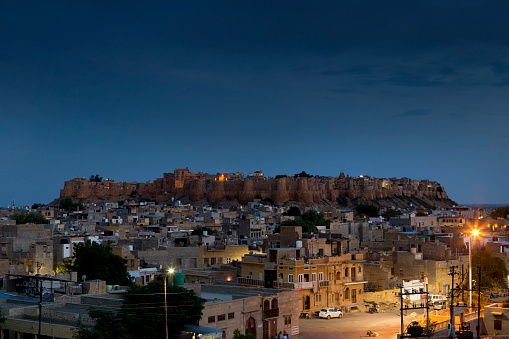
[414, 113]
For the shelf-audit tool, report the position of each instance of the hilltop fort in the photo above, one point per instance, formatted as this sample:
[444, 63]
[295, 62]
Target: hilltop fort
[216, 187]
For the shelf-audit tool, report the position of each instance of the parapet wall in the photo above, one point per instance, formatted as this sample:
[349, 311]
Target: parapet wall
[216, 188]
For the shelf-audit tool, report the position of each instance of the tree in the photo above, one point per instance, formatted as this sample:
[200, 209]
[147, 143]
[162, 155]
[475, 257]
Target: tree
[342, 201]
[107, 325]
[391, 213]
[143, 314]
[309, 220]
[501, 212]
[97, 261]
[95, 178]
[307, 227]
[293, 211]
[238, 335]
[36, 206]
[279, 176]
[68, 205]
[184, 307]
[493, 270]
[303, 174]
[366, 210]
[29, 218]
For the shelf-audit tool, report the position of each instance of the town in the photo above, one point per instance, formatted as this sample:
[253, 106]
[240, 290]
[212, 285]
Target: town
[262, 257]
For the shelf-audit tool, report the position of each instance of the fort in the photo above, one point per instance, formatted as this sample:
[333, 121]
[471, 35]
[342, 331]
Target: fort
[216, 187]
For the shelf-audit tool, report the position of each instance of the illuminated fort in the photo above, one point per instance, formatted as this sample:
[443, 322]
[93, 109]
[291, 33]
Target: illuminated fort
[216, 187]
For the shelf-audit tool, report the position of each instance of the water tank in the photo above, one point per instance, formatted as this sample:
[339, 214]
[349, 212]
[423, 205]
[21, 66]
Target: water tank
[205, 233]
[298, 244]
[178, 279]
[109, 288]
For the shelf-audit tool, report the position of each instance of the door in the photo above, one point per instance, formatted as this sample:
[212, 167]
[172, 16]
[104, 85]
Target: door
[354, 296]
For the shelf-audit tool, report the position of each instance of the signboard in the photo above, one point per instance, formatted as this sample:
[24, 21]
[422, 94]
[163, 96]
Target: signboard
[295, 330]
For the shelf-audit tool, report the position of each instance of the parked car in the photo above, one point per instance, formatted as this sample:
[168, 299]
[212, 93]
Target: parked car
[330, 312]
[440, 304]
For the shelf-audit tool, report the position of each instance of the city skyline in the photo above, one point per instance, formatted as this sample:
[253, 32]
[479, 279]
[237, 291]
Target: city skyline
[392, 89]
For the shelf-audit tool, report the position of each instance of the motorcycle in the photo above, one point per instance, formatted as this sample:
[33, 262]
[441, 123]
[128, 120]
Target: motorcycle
[373, 310]
[304, 315]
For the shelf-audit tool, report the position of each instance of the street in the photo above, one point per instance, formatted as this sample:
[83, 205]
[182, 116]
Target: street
[354, 325]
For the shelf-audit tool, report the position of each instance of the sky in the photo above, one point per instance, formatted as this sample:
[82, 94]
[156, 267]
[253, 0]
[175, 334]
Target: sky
[130, 90]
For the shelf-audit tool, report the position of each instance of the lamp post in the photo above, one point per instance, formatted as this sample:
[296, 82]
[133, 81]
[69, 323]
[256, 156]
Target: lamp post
[474, 233]
[170, 271]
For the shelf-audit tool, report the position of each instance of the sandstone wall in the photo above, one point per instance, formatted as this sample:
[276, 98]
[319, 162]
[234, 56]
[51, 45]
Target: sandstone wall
[214, 188]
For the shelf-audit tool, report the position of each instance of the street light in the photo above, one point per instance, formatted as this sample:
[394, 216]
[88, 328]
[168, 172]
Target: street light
[475, 233]
[170, 271]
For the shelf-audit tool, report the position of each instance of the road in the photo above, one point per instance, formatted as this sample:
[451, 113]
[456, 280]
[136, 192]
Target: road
[354, 325]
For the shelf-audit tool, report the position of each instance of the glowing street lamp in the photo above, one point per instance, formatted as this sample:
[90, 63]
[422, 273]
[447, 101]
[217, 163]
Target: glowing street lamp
[475, 233]
[170, 271]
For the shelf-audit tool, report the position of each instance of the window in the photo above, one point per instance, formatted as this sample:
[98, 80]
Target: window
[220, 260]
[347, 293]
[313, 277]
[212, 319]
[498, 325]
[228, 260]
[301, 278]
[290, 278]
[288, 320]
[206, 261]
[320, 276]
[231, 315]
[221, 317]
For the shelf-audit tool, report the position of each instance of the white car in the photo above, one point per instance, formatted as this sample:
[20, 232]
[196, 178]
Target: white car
[330, 312]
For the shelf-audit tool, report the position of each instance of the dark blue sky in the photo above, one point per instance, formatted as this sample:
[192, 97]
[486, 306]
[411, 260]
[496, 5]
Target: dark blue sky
[132, 89]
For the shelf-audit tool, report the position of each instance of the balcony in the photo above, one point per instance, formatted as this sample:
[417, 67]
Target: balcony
[285, 285]
[271, 313]
[300, 286]
[324, 283]
[250, 282]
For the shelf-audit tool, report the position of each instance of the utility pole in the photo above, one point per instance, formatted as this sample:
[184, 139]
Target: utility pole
[452, 325]
[478, 327]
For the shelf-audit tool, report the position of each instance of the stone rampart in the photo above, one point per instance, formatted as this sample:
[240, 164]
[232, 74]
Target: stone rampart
[215, 188]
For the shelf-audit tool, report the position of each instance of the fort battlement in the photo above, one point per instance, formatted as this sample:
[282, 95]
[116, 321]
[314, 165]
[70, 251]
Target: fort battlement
[234, 186]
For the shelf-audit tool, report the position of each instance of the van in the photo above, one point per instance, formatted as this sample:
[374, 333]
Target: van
[436, 297]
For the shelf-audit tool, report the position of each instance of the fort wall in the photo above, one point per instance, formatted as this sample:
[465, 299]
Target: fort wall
[217, 187]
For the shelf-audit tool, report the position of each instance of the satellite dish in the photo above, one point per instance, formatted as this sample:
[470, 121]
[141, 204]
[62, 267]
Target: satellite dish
[32, 270]
[84, 277]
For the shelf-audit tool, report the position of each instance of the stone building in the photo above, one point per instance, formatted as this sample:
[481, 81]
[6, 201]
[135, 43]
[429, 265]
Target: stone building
[260, 312]
[334, 281]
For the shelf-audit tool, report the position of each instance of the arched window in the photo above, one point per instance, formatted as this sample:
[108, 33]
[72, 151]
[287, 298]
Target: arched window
[353, 272]
[251, 326]
[338, 275]
[266, 305]
[347, 293]
[274, 303]
[346, 272]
